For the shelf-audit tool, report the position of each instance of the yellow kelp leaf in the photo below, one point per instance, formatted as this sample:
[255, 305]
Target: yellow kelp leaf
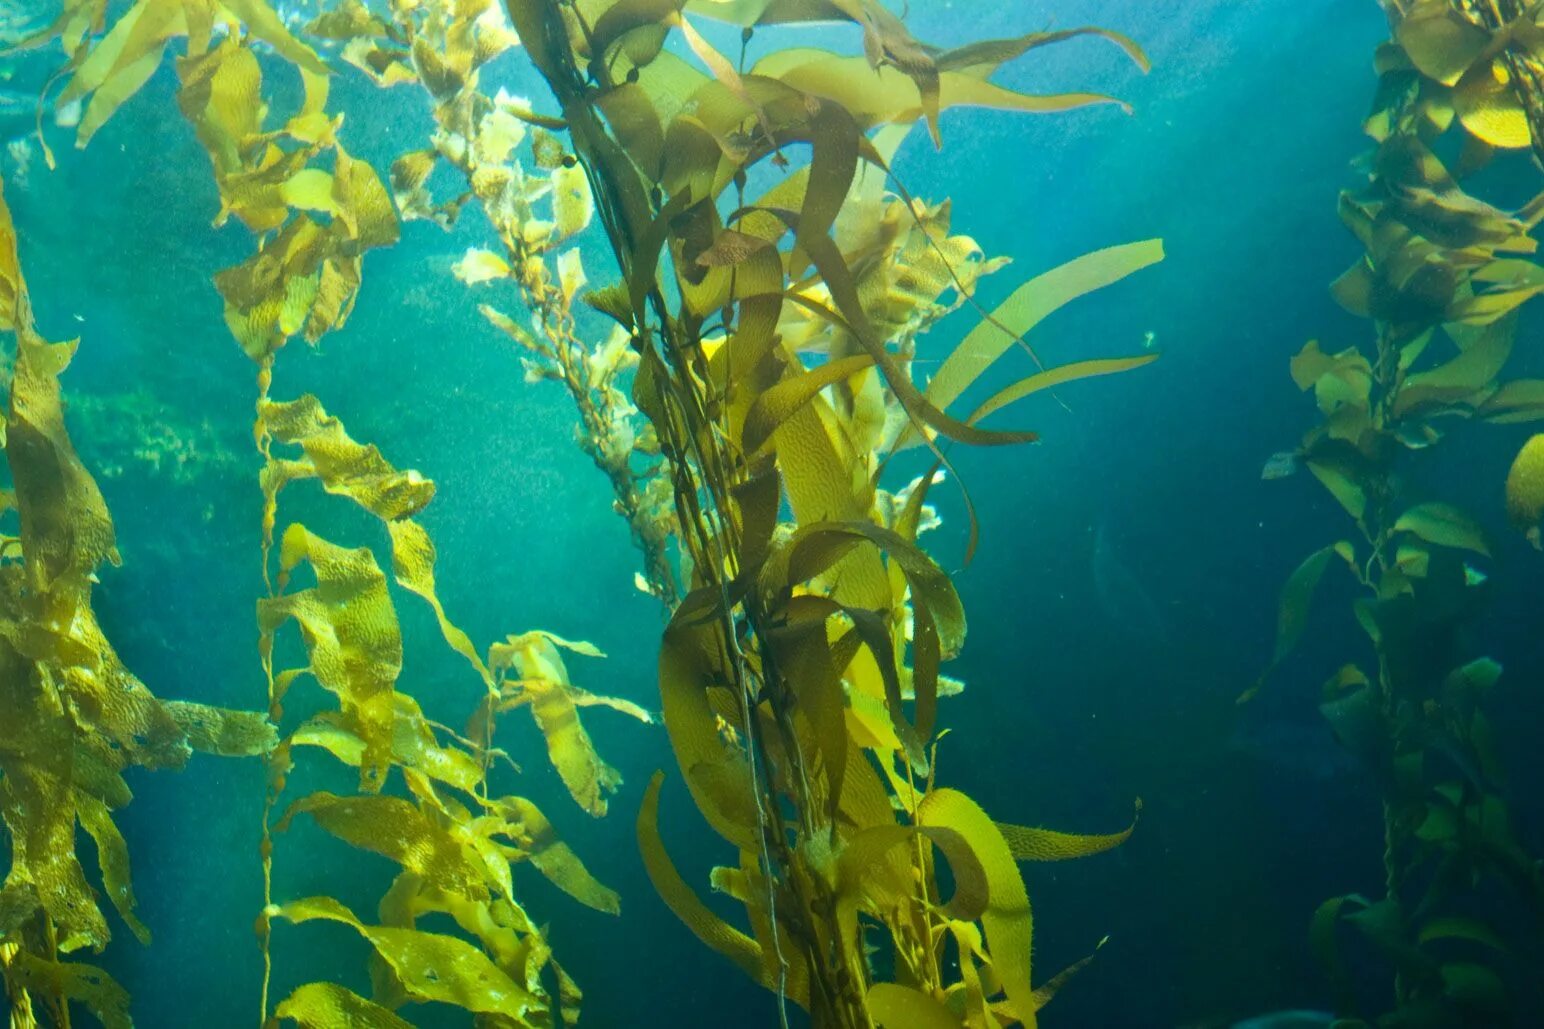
[1440, 41]
[37, 803]
[397, 829]
[887, 94]
[681, 899]
[310, 188]
[1047, 990]
[1444, 525]
[1028, 306]
[221, 731]
[412, 565]
[429, 966]
[1006, 920]
[1490, 107]
[113, 858]
[1296, 598]
[477, 266]
[123, 61]
[572, 204]
[892, 1006]
[524, 823]
[330, 1006]
[1525, 489]
[350, 632]
[84, 984]
[571, 274]
[261, 21]
[543, 683]
[346, 468]
[1053, 377]
[1032, 844]
[413, 744]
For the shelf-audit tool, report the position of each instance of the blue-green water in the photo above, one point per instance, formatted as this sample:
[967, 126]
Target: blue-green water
[1242, 136]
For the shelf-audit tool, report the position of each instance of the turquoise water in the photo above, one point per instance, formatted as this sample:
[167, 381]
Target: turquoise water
[1241, 138]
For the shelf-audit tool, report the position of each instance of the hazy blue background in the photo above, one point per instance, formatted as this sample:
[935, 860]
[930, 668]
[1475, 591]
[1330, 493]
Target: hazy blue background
[1243, 135]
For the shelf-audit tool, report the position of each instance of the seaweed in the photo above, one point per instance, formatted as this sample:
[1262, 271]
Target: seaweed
[775, 337]
[75, 716]
[1442, 279]
[537, 206]
[315, 211]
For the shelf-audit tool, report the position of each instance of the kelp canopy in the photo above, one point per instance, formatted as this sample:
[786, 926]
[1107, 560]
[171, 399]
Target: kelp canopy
[774, 285]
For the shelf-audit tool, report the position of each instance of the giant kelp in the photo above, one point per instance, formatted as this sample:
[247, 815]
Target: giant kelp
[1442, 279]
[536, 205]
[771, 345]
[316, 211]
[774, 335]
[75, 716]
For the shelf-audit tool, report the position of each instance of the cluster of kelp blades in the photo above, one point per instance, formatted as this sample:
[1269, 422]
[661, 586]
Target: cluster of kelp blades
[769, 345]
[1442, 279]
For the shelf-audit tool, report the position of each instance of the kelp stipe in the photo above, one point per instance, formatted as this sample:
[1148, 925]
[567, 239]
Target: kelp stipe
[1441, 281]
[74, 717]
[800, 675]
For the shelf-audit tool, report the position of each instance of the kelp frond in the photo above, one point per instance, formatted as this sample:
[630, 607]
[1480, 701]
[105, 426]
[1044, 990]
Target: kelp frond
[75, 718]
[776, 336]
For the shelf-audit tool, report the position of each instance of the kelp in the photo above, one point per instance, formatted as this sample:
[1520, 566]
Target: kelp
[1442, 278]
[75, 717]
[316, 210]
[775, 337]
[536, 204]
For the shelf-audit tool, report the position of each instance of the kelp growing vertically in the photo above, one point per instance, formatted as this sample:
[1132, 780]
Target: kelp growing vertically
[74, 717]
[315, 211]
[536, 206]
[774, 337]
[1442, 280]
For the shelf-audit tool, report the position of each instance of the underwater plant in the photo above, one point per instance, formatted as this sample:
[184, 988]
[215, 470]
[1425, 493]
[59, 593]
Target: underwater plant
[1442, 279]
[316, 211]
[800, 674]
[75, 716]
[536, 216]
[776, 283]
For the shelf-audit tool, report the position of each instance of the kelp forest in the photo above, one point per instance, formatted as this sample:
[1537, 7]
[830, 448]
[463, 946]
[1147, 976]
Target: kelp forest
[700, 253]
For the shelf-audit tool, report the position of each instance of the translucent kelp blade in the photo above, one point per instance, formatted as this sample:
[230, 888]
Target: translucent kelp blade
[1046, 991]
[1033, 844]
[346, 468]
[543, 683]
[430, 966]
[713, 931]
[893, 1006]
[987, 56]
[397, 829]
[83, 984]
[328, 1006]
[890, 96]
[412, 564]
[1053, 377]
[1007, 921]
[524, 823]
[1027, 307]
[350, 631]
[113, 858]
